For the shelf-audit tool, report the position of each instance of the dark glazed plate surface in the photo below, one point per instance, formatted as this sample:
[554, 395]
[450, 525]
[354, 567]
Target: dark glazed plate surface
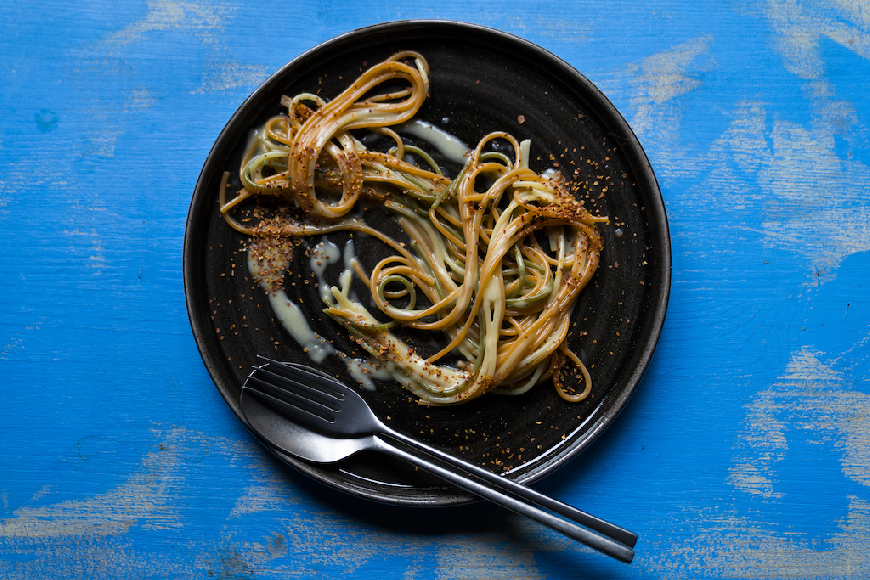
[482, 80]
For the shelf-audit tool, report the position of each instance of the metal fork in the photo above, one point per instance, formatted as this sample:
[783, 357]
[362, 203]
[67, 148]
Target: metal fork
[319, 401]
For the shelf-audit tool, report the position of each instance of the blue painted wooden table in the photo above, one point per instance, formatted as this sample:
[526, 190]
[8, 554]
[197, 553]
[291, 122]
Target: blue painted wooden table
[745, 452]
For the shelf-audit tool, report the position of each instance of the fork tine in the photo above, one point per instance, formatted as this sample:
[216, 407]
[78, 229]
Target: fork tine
[311, 377]
[291, 397]
[293, 383]
[346, 411]
[292, 411]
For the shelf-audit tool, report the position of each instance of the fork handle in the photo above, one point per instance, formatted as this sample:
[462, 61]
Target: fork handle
[571, 529]
[526, 493]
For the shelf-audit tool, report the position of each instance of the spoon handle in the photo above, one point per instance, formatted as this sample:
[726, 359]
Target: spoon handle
[571, 529]
[520, 491]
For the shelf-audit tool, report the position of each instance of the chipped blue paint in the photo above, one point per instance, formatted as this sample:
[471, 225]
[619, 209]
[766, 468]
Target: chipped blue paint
[745, 453]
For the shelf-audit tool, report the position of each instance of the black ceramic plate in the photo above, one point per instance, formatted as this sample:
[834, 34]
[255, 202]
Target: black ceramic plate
[482, 80]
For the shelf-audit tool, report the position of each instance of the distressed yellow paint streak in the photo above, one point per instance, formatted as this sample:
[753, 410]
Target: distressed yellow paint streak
[742, 548]
[148, 497]
[562, 30]
[321, 537]
[89, 242]
[17, 340]
[790, 173]
[807, 182]
[472, 559]
[272, 526]
[200, 19]
[811, 398]
[138, 100]
[746, 139]
[43, 491]
[89, 536]
[142, 498]
[811, 401]
[657, 82]
[804, 156]
[750, 478]
[661, 78]
[798, 179]
[260, 497]
[799, 26]
[221, 76]
[19, 178]
[109, 118]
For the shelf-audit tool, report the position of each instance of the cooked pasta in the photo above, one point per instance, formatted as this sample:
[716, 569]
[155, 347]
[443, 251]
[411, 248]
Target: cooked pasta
[497, 255]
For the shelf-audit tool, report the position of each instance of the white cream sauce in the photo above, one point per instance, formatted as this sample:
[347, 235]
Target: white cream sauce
[324, 254]
[363, 371]
[448, 145]
[290, 315]
[294, 320]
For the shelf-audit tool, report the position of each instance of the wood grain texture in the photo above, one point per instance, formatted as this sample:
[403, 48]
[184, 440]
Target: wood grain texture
[745, 453]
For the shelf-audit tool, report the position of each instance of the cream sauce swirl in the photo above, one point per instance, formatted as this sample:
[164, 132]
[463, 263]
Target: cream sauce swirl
[294, 319]
[448, 145]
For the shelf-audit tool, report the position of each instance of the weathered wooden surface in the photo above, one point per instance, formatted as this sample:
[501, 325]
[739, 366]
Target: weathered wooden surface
[744, 454]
